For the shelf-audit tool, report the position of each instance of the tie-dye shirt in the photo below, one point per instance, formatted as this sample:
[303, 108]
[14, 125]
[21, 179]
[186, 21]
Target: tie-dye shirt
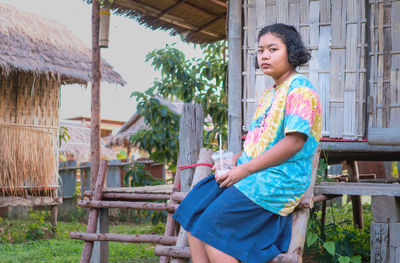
[293, 106]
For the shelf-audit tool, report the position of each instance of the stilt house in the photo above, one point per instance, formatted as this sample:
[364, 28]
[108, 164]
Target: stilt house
[37, 56]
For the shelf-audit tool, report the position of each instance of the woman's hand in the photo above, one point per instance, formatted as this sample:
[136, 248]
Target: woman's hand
[236, 174]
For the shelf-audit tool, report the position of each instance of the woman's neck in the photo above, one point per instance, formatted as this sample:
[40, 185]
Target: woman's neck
[284, 77]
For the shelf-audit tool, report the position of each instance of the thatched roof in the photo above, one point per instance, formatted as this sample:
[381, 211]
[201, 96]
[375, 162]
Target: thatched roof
[136, 123]
[197, 21]
[40, 45]
[78, 146]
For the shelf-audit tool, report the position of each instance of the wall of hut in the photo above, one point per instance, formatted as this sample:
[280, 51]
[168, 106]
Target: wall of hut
[29, 107]
[355, 48]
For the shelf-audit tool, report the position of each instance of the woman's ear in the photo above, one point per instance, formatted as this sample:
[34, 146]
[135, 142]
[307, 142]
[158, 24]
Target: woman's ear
[256, 62]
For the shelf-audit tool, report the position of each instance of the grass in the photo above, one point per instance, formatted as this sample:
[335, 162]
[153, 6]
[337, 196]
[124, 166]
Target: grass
[58, 248]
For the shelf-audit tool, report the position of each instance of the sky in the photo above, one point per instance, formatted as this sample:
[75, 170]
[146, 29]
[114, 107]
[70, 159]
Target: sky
[129, 44]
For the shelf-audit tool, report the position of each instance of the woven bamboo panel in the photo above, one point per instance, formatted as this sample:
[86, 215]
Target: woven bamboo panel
[334, 32]
[29, 108]
[384, 93]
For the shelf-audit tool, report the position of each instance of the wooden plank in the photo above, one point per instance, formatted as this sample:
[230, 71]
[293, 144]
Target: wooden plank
[33, 201]
[394, 241]
[387, 61]
[358, 189]
[153, 189]
[379, 246]
[384, 136]
[385, 209]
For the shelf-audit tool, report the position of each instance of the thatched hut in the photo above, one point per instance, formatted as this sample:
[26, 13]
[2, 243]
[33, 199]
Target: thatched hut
[37, 56]
[77, 146]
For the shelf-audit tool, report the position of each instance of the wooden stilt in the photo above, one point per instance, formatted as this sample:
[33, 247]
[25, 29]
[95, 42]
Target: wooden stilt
[354, 176]
[94, 213]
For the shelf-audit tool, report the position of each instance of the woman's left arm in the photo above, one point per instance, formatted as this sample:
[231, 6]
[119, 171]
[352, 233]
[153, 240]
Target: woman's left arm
[277, 154]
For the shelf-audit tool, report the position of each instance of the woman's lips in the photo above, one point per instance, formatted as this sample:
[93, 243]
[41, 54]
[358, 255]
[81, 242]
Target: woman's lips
[265, 65]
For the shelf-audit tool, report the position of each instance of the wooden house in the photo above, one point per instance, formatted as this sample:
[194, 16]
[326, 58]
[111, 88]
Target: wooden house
[37, 56]
[355, 62]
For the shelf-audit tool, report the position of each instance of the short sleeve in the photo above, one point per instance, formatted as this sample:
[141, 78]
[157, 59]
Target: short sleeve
[302, 107]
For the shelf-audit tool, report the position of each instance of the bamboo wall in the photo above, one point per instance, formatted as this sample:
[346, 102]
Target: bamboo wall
[29, 119]
[335, 32]
[384, 94]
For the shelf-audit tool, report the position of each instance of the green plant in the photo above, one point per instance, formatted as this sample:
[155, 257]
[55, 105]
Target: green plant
[201, 81]
[63, 135]
[338, 240]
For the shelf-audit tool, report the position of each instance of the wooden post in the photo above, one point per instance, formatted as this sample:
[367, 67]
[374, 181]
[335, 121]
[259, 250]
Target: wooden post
[94, 213]
[103, 228]
[200, 173]
[190, 141]
[53, 215]
[171, 224]
[354, 176]
[300, 215]
[95, 105]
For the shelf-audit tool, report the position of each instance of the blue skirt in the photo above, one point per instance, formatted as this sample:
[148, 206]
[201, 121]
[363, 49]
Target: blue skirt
[230, 222]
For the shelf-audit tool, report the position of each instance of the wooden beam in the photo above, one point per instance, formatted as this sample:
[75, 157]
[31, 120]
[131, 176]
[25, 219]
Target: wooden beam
[129, 205]
[371, 189]
[219, 3]
[151, 11]
[32, 201]
[360, 151]
[131, 196]
[170, 8]
[157, 239]
[172, 251]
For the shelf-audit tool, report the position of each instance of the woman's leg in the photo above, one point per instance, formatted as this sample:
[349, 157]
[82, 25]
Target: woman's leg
[197, 250]
[217, 256]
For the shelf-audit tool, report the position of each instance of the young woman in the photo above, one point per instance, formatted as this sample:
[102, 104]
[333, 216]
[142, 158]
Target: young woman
[245, 214]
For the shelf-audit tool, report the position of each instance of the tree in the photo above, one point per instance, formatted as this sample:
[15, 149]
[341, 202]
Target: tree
[201, 81]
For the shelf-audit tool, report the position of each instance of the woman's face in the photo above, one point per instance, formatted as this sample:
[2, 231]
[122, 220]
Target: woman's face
[272, 56]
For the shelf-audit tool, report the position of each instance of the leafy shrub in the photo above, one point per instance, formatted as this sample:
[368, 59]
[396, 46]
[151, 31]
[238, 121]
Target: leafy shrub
[338, 240]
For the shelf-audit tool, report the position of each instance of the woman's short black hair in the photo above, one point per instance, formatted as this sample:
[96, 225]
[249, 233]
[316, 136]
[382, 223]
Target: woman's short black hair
[298, 55]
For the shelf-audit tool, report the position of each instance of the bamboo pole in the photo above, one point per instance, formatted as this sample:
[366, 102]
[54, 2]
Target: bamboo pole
[235, 76]
[165, 240]
[130, 205]
[95, 105]
[94, 213]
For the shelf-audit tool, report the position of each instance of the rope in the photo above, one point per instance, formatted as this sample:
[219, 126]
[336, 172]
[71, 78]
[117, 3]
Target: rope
[183, 167]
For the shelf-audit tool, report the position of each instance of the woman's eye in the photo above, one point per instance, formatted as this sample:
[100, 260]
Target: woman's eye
[260, 51]
[272, 50]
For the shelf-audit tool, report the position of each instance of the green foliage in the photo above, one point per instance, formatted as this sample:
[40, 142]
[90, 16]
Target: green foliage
[136, 175]
[121, 154]
[201, 81]
[338, 240]
[63, 135]
[61, 249]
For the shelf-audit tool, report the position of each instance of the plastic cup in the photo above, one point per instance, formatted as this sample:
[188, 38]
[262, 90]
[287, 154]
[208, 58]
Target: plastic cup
[222, 161]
